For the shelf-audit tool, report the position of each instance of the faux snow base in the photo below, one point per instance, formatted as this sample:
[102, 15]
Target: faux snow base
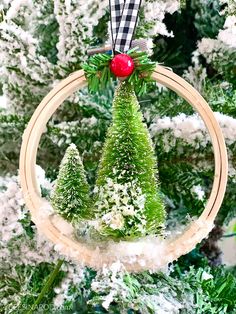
[152, 253]
[149, 253]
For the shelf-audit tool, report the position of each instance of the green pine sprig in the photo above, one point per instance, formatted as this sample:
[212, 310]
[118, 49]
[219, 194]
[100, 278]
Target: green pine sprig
[98, 73]
[143, 70]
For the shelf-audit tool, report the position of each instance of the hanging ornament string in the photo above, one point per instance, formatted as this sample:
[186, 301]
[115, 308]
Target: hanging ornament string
[124, 16]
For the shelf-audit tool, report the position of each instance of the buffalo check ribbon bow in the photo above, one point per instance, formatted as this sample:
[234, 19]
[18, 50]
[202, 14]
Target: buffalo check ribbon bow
[124, 15]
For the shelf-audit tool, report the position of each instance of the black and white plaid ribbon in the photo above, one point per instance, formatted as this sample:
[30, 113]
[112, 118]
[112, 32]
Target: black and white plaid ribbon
[124, 15]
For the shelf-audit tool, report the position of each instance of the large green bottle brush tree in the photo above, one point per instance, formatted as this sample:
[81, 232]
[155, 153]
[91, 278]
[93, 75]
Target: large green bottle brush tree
[128, 203]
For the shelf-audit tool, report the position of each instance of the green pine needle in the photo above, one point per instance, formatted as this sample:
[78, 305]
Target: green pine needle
[97, 71]
[52, 277]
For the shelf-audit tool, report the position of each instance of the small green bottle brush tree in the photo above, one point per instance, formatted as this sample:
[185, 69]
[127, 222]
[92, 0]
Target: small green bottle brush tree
[126, 202]
[71, 196]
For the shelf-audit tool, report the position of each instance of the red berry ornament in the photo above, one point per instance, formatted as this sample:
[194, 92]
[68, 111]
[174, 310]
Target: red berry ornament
[122, 65]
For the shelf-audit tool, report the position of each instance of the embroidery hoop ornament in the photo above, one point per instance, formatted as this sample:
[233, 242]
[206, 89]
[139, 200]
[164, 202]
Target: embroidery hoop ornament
[82, 252]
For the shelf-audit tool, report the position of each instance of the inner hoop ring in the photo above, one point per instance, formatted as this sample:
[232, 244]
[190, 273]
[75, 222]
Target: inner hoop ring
[81, 252]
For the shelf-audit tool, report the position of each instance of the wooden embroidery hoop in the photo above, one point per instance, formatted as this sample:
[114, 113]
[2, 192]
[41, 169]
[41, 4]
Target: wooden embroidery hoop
[81, 252]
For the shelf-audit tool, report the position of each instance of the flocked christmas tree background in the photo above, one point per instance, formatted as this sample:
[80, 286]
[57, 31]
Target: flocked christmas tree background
[42, 42]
